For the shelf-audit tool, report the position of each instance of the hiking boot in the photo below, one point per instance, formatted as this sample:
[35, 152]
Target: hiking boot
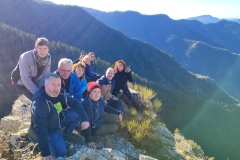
[124, 98]
[78, 129]
[139, 108]
[72, 138]
[136, 105]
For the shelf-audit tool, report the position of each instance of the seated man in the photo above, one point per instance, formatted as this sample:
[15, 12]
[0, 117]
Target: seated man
[70, 81]
[107, 83]
[55, 115]
[103, 118]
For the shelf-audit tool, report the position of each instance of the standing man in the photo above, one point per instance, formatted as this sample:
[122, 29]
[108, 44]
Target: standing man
[70, 81]
[55, 115]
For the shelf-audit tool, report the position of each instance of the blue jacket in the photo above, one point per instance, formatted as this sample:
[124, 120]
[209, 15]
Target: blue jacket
[74, 87]
[89, 72]
[83, 81]
[95, 111]
[104, 81]
[83, 84]
[47, 117]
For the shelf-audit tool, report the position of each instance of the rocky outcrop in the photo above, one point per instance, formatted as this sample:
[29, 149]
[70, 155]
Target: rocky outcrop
[17, 144]
[177, 147]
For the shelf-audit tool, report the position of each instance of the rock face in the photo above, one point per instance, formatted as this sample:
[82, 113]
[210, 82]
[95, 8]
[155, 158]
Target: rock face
[16, 144]
[14, 129]
[177, 147]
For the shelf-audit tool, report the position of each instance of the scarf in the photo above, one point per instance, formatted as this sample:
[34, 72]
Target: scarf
[42, 61]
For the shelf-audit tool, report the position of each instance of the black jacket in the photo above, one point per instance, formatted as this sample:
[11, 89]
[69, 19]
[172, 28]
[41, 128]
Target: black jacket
[47, 118]
[121, 79]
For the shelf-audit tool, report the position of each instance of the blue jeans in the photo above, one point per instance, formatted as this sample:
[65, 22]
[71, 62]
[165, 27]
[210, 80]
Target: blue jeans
[57, 144]
[117, 104]
[70, 121]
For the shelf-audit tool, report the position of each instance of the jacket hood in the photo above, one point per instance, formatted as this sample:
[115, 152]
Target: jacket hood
[106, 80]
[41, 92]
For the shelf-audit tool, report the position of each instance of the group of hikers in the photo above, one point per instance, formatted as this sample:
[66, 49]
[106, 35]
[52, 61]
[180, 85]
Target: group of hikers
[70, 98]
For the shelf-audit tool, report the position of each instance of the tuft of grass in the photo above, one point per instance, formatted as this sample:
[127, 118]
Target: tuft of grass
[146, 93]
[141, 131]
[177, 131]
[195, 148]
[140, 128]
[157, 105]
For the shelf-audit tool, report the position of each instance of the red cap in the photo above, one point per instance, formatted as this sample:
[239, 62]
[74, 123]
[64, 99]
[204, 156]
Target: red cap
[91, 86]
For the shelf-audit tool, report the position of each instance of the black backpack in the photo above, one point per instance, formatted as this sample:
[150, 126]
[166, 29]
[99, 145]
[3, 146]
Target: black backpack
[15, 75]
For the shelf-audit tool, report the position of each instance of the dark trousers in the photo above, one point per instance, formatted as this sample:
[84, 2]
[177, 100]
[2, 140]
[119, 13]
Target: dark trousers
[23, 90]
[127, 93]
[109, 124]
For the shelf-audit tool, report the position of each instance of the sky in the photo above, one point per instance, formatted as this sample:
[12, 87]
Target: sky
[175, 9]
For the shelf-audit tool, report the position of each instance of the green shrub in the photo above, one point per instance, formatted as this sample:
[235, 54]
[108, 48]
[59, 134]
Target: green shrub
[141, 131]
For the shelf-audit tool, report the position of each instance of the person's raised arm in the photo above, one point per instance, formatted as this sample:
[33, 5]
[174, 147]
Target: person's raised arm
[129, 74]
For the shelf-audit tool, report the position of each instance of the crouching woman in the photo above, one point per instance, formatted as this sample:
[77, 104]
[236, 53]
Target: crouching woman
[102, 118]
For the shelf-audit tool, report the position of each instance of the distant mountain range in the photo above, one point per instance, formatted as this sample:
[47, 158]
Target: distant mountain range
[208, 49]
[193, 103]
[210, 19]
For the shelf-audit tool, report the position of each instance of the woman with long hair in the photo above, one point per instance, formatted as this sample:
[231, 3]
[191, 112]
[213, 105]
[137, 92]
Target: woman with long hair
[79, 69]
[123, 75]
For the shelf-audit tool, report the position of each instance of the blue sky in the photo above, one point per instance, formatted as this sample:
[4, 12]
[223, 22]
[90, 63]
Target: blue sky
[175, 9]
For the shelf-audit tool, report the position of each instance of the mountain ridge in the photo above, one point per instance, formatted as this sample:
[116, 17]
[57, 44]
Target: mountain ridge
[210, 19]
[184, 95]
[176, 36]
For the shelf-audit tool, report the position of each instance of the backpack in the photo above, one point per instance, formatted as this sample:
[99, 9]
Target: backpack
[15, 75]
